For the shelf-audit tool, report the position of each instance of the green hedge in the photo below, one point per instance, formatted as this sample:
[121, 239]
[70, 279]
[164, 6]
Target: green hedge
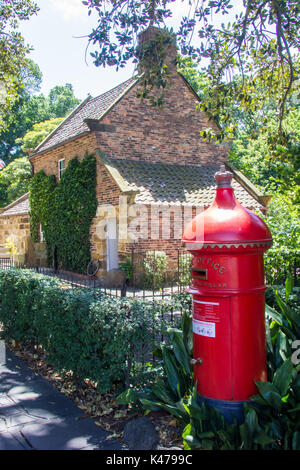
[95, 336]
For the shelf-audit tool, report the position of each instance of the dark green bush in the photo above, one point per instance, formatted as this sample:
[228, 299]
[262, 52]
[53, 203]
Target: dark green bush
[94, 336]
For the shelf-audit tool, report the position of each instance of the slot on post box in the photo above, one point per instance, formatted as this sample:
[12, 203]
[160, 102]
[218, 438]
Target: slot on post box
[199, 273]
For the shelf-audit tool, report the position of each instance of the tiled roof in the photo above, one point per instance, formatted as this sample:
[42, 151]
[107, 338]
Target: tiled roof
[157, 183]
[18, 207]
[90, 108]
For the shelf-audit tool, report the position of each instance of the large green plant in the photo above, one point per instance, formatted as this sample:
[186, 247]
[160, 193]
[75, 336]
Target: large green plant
[65, 212]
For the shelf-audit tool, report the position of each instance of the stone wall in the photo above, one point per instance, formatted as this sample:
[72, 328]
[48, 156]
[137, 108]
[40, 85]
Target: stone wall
[14, 235]
[15, 238]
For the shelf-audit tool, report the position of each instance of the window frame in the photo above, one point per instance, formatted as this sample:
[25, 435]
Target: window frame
[60, 169]
[42, 236]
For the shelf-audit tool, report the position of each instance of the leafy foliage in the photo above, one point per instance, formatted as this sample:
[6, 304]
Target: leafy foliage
[284, 255]
[23, 113]
[170, 392]
[14, 179]
[39, 132]
[257, 42]
[30, 110]
[81, 330]
[65, 212]
[13, 51]
[155, 265]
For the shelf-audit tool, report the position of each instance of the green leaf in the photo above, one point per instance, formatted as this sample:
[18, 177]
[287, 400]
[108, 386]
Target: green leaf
[187, 328]
[283, 377]
[270, 394]
[182, 416]
[288, 286]
[251, 421]
[171, 369]
[180, 351]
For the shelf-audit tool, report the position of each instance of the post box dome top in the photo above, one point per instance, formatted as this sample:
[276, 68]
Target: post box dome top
[226, 222]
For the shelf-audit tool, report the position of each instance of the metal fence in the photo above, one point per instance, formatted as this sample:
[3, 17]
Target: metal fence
[149, 274]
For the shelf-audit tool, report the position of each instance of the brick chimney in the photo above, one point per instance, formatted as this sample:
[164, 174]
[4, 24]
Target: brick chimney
[156, 44]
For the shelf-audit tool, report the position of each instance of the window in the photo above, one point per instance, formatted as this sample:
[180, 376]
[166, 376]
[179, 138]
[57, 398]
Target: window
[42, 238]
[61, 168]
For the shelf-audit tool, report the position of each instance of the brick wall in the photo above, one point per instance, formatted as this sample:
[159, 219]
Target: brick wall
[168, 135]
[48, 161]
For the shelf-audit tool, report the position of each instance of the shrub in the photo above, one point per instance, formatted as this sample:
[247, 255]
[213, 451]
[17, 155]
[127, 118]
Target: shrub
[93, 335]
[284, 255]
[184, 269]
[155, 265]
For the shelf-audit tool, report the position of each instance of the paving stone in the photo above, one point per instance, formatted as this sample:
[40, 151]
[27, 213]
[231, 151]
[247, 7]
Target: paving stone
[9, 442]
[21, 389]
[35, 415]
[51, 407]
[7, 422]
[66, 434]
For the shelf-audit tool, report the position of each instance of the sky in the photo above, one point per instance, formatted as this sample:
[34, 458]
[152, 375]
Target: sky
[59, 48]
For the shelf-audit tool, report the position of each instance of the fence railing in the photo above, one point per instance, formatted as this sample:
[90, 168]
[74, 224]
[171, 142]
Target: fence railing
[149, 274]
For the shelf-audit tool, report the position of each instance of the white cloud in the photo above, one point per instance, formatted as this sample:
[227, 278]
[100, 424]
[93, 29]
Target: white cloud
[70, 9]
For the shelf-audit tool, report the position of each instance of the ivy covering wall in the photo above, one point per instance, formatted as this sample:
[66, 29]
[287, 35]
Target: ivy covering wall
[65, 211]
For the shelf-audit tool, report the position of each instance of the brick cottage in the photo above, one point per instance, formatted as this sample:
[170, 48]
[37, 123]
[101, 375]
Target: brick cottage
[150, 161]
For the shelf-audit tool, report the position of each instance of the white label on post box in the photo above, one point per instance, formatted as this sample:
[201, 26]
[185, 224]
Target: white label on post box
[204, 328]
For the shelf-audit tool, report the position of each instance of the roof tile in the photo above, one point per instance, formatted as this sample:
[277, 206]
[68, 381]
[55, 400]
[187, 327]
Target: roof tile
[157, 183]
[92, 108]
[17, 208]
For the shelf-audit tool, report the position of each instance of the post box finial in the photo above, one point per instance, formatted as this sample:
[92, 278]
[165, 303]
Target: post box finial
[223, 178]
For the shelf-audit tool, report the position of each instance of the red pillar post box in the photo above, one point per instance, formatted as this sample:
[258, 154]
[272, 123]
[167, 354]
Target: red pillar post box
[227, 242]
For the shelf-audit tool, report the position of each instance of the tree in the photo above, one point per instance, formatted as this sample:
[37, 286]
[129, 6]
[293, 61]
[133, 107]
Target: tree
[62, 100]
[39, 132]
[258, 43]
[13, 52]
[31, 109]
[270, 164]
[14, 180]
[25, 111]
